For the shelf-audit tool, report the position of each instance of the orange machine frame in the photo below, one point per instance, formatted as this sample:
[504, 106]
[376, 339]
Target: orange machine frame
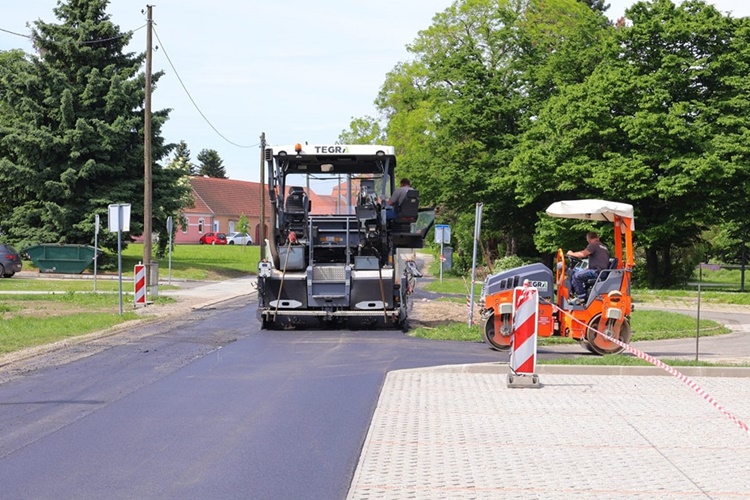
[561, 319]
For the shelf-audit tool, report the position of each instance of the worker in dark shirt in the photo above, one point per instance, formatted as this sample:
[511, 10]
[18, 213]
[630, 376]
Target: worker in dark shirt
[393, 204]
[598, 256]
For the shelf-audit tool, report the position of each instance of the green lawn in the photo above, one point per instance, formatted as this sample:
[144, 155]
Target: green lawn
[31, 320]
[189, 262]
[28, 320]
[646, 325]
[70, 307]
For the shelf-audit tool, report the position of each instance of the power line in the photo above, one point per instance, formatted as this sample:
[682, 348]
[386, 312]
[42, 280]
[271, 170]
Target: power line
[14, 33]
[161, 44]
[77, 42]
[102, 40]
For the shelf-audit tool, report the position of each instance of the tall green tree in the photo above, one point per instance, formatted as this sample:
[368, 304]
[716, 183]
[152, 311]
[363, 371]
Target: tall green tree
[71, 132]
[655, 124]
[211, 164]
[479, 75]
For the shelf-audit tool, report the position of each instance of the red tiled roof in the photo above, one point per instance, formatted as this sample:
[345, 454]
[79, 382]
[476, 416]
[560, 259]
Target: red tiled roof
[227, 196]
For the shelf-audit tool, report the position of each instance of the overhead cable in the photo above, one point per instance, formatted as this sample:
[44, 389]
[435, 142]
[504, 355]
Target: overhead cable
[161, 45]
[77, 42]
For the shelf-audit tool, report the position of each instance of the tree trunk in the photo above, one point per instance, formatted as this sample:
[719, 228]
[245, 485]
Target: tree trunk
[666, 269]
[652, 267]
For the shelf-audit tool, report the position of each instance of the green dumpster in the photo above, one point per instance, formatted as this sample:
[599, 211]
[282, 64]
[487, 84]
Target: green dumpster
[63, 259]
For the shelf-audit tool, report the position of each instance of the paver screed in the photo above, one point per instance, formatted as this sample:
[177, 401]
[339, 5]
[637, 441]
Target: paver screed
[439, 434]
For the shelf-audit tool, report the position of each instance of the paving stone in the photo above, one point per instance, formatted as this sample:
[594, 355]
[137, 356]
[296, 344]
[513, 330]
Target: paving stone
[440, 434]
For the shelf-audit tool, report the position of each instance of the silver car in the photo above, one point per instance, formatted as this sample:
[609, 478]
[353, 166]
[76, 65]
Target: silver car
[239, 239]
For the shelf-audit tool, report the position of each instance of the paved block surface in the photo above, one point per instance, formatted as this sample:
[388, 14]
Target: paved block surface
[440, 434]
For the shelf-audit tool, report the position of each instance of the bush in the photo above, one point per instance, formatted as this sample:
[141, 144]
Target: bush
[508, 262]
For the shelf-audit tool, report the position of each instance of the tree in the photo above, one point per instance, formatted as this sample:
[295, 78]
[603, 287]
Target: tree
[181, 159]
[71, 131]
[661, 123]
[243, 224]
[211, 164]
[365, 130]
[598, 5]
[480, 74]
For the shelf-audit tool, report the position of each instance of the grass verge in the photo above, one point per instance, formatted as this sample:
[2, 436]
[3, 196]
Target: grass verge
[32, 320]
[22, 332]
[626, 360]
[200, 262]
[646, 325]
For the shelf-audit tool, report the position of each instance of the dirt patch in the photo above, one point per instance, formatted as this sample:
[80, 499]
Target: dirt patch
[431, 313]
[436, 312]
[44, 308]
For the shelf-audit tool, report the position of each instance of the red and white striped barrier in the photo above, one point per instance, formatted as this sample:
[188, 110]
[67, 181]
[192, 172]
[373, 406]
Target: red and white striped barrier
[140, 285]
[680, 376]
[525, 326]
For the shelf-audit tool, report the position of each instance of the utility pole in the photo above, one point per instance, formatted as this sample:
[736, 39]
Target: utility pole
[262, 233]
[147, 189]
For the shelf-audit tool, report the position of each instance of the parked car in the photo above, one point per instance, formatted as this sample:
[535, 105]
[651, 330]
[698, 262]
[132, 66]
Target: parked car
[213, 239]
[239, 239]
[10, 261]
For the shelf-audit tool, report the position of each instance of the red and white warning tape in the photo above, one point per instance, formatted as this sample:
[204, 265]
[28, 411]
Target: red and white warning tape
[681, 376]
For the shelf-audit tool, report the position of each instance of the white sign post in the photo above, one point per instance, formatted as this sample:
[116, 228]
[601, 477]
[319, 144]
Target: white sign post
[477, 233]
[170, 225]
[96, 245]
[119, 221]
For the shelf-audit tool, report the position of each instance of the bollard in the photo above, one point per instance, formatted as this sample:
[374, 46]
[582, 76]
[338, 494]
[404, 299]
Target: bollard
[523, 344]
[139, 281]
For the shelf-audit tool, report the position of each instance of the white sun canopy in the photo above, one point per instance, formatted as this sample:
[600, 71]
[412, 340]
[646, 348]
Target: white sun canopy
[590, 210]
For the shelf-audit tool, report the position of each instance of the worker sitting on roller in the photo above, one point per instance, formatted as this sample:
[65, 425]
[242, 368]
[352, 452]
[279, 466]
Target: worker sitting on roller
[598, 256]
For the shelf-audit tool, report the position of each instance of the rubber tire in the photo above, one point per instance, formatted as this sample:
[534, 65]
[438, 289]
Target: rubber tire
[230, 243]
[2, 272]
[8, 275]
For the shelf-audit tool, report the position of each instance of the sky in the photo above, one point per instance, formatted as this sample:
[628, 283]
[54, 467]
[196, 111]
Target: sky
[297, 70]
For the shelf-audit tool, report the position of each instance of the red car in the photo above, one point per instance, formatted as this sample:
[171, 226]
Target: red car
[213, 239]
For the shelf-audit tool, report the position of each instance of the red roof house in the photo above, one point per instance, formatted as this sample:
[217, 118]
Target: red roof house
[218, 205]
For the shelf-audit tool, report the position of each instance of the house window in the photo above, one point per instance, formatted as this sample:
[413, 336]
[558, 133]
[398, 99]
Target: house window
[216, 226]
[200, 225]
[231, 226]
[185, 227]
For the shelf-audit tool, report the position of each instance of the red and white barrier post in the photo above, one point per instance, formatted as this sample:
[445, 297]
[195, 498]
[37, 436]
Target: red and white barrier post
[523, 344]
[140, 285]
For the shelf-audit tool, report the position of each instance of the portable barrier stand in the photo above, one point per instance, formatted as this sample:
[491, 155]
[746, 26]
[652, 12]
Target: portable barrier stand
[523, 345]
[140, 285]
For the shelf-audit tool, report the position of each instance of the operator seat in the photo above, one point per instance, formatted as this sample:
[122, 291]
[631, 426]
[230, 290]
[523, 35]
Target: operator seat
[601, 275]
[295, 210]
[406, 212]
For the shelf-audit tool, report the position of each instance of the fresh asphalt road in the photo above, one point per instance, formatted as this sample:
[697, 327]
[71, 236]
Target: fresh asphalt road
[206, 406]
[210, 407]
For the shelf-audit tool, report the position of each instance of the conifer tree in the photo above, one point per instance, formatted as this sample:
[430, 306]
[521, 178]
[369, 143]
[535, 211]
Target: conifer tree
[71, 132]
[211, 164]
